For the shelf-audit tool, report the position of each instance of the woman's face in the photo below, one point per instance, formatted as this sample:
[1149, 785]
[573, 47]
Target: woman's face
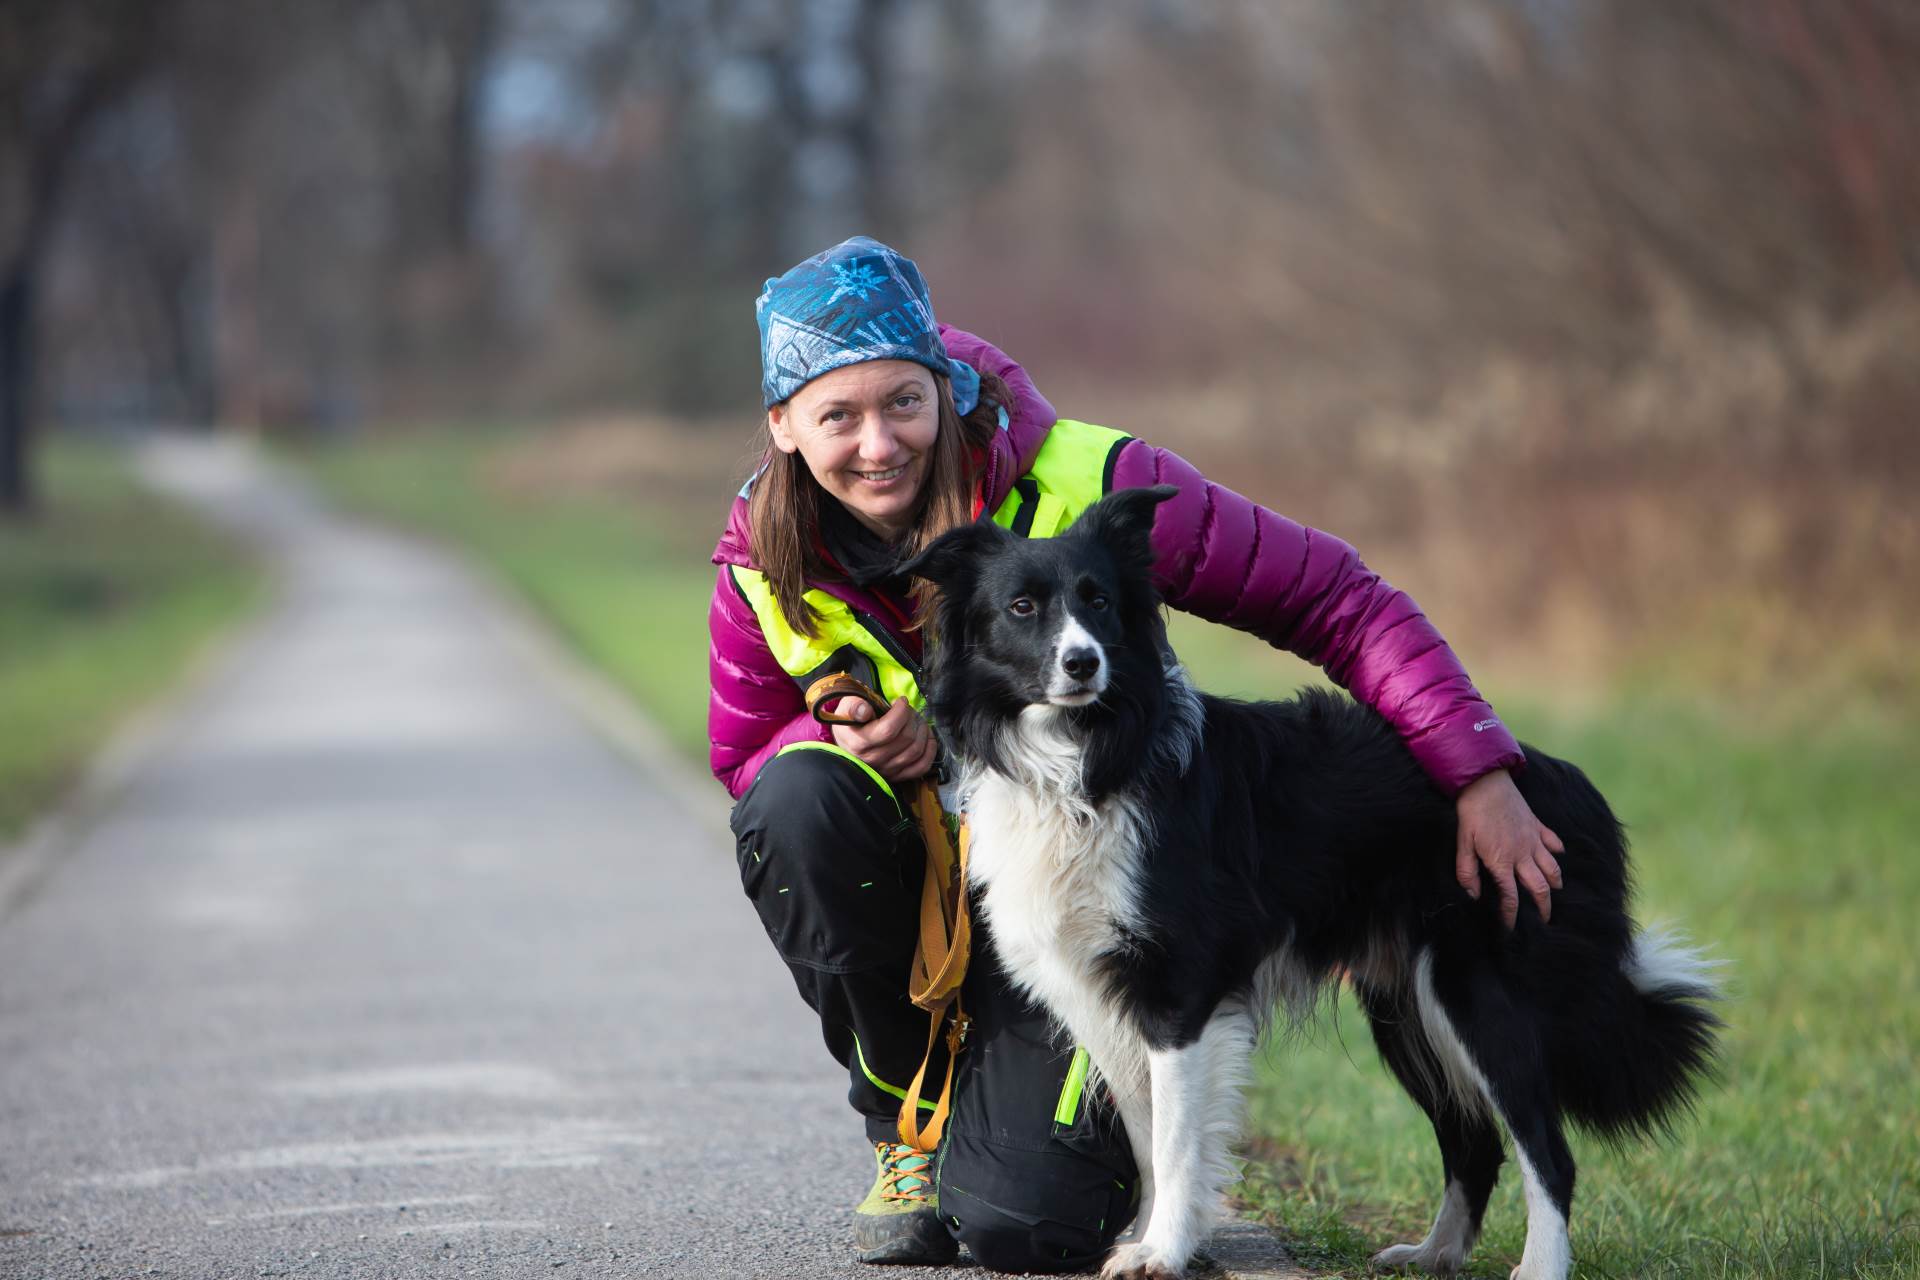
[866, 432]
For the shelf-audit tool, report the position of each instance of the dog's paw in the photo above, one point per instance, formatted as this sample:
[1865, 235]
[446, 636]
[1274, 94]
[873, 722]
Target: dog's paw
[1417, 1257]
[1550, 1272]
[1142, 1262]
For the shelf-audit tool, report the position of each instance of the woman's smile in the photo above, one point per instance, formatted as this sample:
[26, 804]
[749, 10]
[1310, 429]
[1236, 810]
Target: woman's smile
[866, 432]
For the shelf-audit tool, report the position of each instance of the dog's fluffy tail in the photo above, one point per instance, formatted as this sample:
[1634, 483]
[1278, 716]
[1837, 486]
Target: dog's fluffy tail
[1636, 1069]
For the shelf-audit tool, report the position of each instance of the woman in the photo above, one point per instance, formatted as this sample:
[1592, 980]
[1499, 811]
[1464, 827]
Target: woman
[885, 429]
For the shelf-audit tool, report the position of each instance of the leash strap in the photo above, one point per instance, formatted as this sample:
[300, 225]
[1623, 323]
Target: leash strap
[831, 688]
[939, 965]
[945, 943]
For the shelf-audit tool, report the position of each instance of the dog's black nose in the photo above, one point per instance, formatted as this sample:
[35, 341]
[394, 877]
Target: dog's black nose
[1080, 663]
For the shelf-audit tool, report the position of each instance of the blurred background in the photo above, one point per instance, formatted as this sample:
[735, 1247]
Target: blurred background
[1592, 323]
[1592, 320]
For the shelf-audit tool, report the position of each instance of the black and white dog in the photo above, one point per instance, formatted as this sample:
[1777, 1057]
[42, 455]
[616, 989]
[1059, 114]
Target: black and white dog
[1162, 869]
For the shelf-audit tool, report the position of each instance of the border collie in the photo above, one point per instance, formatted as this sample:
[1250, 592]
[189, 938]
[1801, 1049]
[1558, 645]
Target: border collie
[1162, 869]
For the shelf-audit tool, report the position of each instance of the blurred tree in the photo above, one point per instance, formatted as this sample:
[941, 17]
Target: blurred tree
[289, 214]
[423, 66]
[63, 64]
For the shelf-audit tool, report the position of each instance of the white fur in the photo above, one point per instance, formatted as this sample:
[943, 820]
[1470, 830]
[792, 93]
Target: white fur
[1452, 1236]
[1448, 1242]
[1462, 1080]
[1661, 962]
[1196, 1116]
[1062, 689]
[1059, 878]
[1549, 1250]
[1282, 982]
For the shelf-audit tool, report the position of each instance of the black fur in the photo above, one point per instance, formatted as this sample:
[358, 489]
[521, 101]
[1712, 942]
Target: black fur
[1308, 824]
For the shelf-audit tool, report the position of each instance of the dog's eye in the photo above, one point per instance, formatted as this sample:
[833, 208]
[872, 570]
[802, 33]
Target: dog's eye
[1022, 606]
[1096, 601]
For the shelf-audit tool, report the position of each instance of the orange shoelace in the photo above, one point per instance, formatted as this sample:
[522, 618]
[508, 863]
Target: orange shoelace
[905, 1174]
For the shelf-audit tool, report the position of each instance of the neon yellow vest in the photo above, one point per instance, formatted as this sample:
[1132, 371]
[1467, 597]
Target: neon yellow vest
[1073, 470]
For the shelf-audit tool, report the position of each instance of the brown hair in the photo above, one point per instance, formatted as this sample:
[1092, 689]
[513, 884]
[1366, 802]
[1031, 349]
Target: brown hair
[783, 509]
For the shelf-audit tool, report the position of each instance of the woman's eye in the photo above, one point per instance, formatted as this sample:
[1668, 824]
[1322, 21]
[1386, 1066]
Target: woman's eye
[906, 402]
[1021, 606]
[836, 415]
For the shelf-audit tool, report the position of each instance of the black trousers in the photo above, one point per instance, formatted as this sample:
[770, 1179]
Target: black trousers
[1033, 1175]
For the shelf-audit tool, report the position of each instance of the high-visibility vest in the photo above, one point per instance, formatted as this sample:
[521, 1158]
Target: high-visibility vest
[1073, 470]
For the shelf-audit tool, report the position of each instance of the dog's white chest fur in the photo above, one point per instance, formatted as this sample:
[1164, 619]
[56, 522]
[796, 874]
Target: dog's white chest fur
[1059, 880]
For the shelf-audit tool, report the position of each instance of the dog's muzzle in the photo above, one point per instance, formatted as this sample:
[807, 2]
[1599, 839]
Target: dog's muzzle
[1080, 671]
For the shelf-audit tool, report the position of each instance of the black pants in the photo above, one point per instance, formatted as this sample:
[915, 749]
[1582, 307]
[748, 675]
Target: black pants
[1032, 1176]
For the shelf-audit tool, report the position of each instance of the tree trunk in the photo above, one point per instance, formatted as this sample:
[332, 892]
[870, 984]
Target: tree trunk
[474, 38]
[16, 386]
[49, 144]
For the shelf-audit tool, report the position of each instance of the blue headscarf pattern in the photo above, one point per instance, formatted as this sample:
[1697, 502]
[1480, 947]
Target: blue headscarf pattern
[857, 301]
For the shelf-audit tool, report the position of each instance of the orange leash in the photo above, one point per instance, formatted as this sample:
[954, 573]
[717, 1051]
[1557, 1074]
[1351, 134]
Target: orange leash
[946, 933]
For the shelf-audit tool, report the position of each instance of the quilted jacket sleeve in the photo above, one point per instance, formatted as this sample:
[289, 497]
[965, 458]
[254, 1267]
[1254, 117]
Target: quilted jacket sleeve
[987, 358]
[753, 707]
[1230, 560]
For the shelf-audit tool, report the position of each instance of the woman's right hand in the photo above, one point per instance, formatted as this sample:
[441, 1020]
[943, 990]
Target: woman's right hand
[899, 745]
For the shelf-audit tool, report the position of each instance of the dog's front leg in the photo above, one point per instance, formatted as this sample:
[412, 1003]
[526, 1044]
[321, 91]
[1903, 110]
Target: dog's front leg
[1134, 1103]
[1196, 1112]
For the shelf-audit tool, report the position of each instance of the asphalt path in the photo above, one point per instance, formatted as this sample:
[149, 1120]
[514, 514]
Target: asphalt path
[394, 946]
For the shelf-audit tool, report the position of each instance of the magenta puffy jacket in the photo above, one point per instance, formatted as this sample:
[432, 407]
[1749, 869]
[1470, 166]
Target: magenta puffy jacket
[1220, 556]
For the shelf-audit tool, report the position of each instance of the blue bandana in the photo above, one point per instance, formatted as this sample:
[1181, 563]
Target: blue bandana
[857, 301]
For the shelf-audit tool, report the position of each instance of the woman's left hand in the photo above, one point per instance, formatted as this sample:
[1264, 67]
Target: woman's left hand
[1497, 829]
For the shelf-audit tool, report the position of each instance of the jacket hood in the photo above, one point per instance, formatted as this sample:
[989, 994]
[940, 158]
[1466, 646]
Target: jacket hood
[1029, 418]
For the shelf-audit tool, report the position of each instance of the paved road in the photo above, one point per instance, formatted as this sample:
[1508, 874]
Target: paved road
[372, 957]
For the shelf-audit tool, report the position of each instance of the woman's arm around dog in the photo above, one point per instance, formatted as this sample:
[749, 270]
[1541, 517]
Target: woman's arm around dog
[1230, 560]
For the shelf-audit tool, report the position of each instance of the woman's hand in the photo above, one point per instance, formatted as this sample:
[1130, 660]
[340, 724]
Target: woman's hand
[899, 745]
[1498, 829]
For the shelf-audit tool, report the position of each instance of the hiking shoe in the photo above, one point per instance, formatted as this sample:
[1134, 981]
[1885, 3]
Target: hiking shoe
[899, 1221]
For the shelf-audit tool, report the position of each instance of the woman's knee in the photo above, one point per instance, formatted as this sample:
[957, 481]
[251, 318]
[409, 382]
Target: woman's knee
[1032, 1211]
[829, 860]
[809, 796]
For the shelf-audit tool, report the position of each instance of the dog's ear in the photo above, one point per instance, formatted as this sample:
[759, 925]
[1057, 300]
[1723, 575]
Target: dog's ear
[1123, 523]
[955, 553]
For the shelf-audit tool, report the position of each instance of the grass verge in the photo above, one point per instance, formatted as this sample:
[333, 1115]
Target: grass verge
[1783, 843]
[104, 597]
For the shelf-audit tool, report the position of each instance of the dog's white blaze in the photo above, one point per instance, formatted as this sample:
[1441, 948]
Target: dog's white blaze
[1448, 1242]
[1060, 685]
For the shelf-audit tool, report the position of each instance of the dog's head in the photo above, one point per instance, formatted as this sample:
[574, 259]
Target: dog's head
[1071, 622]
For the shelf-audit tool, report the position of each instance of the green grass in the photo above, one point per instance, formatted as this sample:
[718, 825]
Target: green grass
[104, 598]
[1784, 844]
